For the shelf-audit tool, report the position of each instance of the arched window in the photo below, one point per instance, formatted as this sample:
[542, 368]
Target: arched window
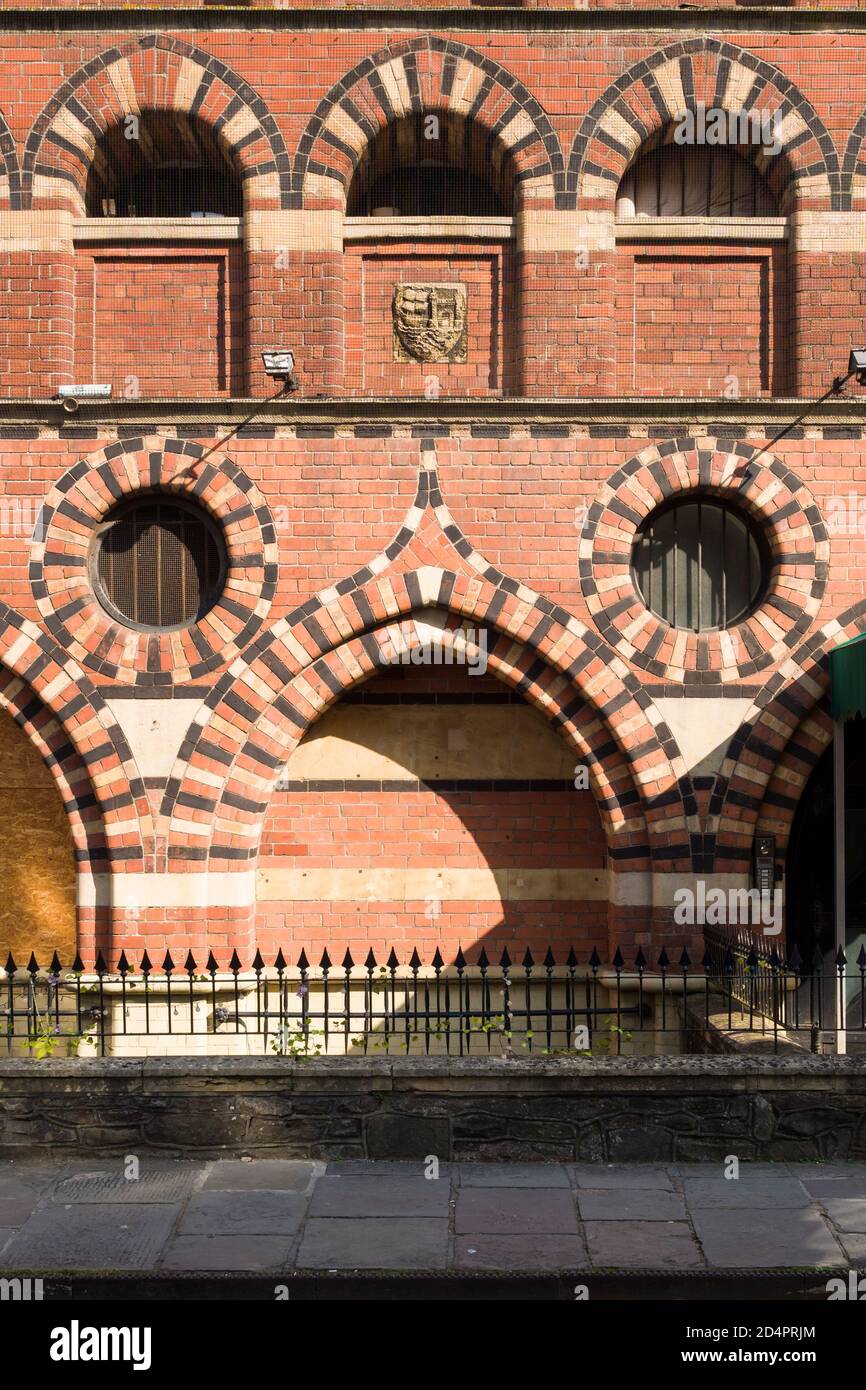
[694, 181]
[154, 165]
[159, 261]
[700, 564]
[428, 244]
[702, 265]
[430, 166]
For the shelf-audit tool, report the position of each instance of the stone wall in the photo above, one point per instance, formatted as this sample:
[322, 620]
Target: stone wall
[614, 1110]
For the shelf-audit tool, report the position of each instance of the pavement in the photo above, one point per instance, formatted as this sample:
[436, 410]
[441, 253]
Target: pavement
[270, 1217]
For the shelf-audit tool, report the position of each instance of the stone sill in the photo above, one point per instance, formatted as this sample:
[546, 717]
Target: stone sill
[428, 228]
[711, 229]
[109, 229]
[98, 230]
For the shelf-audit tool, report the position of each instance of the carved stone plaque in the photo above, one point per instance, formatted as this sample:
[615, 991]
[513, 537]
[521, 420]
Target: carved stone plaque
[430, 323]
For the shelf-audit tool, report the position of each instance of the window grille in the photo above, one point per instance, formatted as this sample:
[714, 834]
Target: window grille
[700, 565]
[158, 564]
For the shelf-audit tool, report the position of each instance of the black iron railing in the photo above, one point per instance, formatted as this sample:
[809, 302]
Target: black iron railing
[463, 1008]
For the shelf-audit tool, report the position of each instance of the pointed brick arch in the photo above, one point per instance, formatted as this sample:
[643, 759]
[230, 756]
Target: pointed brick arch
[260, 709]
[10, 174]
[44, 730]
[644, 102]
[783, 721]
[420, 75]
[80, 740]
[160, 72]
[854, 166]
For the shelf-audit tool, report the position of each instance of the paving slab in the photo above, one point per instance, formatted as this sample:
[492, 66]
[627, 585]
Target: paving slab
[14, 1211]
[746, 1193]
[641, 1205]
[243, 1213]
[505, 1252]
[512, 1175]
[374, 1243]
[847, 1214]
[383, 1168]
[642, 1245]
[626, 1176]
[266, 1174]
[92, 1236]
[855, 1249]
[834, 1188]
[20, 1179]
[156, 1182]
[369, 1196]
[765, 1239]
[519, 1211]
[242, 1253]
[838, 1172]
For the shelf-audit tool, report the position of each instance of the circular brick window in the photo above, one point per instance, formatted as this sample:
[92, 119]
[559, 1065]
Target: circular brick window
[158, 563]
[700, 564]
[761, 585]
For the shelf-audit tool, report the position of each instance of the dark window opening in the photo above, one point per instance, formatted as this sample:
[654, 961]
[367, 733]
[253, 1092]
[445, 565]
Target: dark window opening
[163, 164]
[694, 181]
[425, 190]
[174, 191]
[700, 565]
[158, 563]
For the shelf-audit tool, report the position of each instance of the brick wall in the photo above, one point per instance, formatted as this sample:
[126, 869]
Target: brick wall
[541, 110]
[702, 323]
[349, 535]
[166, 321]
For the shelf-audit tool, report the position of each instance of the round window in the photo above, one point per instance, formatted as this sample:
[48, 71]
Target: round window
[700, 564]
[158, 563]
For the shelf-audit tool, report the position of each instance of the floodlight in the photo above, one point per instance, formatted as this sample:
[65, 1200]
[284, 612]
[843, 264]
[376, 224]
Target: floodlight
[280, 364]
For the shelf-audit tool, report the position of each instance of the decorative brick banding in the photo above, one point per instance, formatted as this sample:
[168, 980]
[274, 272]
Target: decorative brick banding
[290, 676]
[641, 105]
[785, 719]
[419, 75]
[775, 498]
[81, 499]
[89, 757]
[150, 71]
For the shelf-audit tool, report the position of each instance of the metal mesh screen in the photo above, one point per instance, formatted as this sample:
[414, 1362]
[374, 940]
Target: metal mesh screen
[159, 565]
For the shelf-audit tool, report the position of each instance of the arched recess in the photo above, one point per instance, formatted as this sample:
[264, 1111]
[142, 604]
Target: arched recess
[268, 738]
[161, 73]
[771, 741]
[485, 106]
[87, 750]
[432, 807]
[49, 819]
[640, 107]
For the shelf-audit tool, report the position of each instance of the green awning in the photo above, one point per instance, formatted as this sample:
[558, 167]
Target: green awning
[848, 679]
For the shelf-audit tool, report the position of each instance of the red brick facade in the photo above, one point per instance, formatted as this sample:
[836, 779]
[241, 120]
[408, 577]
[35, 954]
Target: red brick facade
[608, 368]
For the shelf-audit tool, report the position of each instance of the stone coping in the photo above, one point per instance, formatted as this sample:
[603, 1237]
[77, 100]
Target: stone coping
[457, 1071]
